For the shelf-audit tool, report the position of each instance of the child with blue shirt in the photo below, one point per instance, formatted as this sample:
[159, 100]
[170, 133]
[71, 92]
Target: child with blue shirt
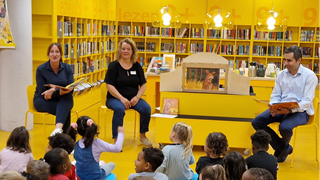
[88, 149]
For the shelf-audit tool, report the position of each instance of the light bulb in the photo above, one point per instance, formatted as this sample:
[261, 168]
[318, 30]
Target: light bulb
[271, 21]
[166, 23]
[166, 17]
[271, 27]
[218, 19]
[218, 24]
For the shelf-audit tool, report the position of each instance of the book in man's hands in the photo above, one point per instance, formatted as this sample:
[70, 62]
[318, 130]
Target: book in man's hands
[70, 86]
[287, 105]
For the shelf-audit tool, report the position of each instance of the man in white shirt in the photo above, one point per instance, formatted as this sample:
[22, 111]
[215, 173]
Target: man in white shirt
[294, 84]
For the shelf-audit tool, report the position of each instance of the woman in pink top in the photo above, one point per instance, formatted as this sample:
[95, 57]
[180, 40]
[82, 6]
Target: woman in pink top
[17, 154]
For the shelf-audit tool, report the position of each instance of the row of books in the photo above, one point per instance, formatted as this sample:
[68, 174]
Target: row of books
[276, 36]
[108, 30]
[152, 31]
[85, 87]
[64, 28]
[140, 46]
[90, 65]
[178, 61]
[181, 47]
[138, 30]
[307, 35]
[274, 51]
[235, 49]
[141, 61]
[318, 36]
[196, 47]
[167, 32]
[182, 33]
[124, 30]
[316, 67]
[167, 47]
[243, 34]
[228, 34]
[259, 50]
[213, 34]
[87, 48]
[306, 51]
[197, 32]
[316, 52]
[213, 48]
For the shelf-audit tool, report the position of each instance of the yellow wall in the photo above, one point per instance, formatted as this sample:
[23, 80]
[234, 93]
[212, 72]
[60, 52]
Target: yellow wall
[96, 9]
[245, 12]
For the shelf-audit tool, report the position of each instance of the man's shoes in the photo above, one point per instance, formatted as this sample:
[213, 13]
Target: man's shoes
[55, 131]
[277, 152]
[284, 154]
[145, 142]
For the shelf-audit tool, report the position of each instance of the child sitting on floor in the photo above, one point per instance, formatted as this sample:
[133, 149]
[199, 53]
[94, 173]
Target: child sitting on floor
[59, 162]
[257, 174]
[37, 170]
[65, 142]
[216, 147]
[17, 154]
[215, 172]
[149, 159]
[261, 158]
[178, 156]
[234, 165]
[88, 149]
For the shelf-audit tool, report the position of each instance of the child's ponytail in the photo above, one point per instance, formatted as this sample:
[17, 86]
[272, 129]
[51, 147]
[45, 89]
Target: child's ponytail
[184, 133]
[72, 131]
[92, 131]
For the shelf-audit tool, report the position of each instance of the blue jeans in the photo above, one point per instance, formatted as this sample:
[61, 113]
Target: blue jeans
[119, 111]
[287, 123]
[60, 107]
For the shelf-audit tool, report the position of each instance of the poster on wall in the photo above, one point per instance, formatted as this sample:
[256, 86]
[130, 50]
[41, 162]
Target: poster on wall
[6, 39]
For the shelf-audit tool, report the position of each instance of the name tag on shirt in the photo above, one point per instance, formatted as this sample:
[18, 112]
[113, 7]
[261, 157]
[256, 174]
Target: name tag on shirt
[133, 72]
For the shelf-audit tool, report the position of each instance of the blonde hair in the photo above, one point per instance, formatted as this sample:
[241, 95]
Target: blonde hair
[11, 175]
[184, 133]
[215, 172]
[134, 55]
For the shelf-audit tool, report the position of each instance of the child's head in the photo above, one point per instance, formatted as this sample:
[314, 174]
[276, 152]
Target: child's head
[143, 178]
[215, 172]
[257, 174]
[260, 141]
[86, 128]
[19, 140]
[183, 133]
[234, 165]
[39, 169]
[149, 159]
[11, 175]
[59, 161]
[29, 176]
[216, 144]
[60, 140]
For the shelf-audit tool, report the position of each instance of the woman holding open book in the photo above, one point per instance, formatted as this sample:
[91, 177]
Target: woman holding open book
[53, 100]
[126, 84]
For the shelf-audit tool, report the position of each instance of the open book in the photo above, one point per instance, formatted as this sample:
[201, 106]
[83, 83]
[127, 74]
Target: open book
[70, 86]
[287, 105]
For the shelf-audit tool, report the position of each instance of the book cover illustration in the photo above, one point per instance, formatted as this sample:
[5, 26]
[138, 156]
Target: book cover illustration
[202, 78]
[170, 106]
[288, 105]
[70, 86]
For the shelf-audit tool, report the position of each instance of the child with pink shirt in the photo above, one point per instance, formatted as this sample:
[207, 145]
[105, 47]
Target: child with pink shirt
[17, 154]
[88, 149]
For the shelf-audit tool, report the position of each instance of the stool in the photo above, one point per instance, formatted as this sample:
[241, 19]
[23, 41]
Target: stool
[106, 109]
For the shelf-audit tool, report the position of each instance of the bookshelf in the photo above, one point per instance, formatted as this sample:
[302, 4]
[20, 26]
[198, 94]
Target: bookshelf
[88, 42]
[241, 43]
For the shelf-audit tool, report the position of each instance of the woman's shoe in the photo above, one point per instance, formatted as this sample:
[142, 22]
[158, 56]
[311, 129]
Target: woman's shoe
[145, 142]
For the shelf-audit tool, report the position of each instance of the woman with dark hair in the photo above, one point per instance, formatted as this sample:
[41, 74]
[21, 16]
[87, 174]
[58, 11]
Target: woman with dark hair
[126, 84]
[54, 100]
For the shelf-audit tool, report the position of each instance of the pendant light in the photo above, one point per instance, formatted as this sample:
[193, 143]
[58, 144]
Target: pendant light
[166, 17]
[271, 21]
[218, 19]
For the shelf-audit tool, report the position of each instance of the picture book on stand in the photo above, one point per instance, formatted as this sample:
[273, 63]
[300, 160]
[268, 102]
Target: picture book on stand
[170, 106]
